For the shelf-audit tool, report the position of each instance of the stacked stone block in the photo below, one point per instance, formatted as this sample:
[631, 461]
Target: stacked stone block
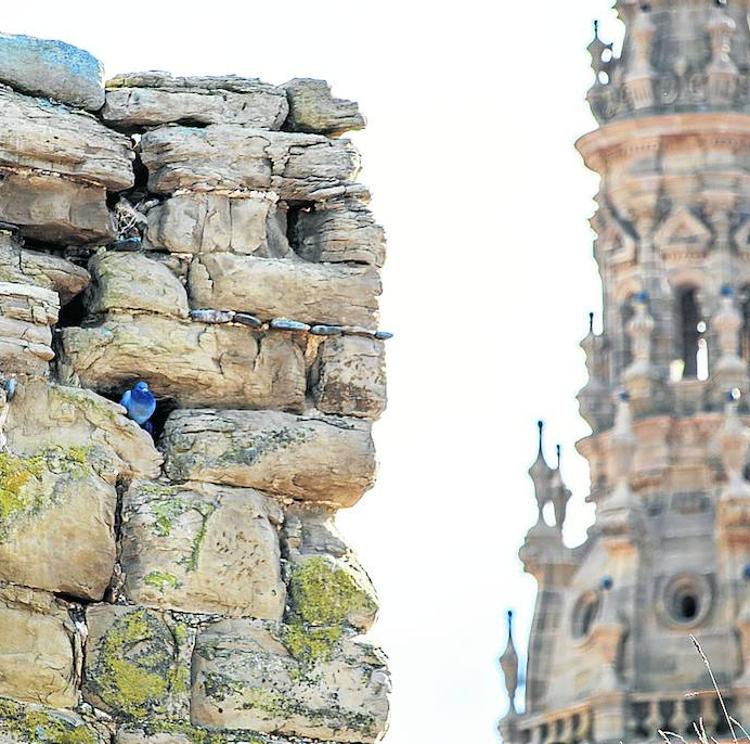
[208, 236]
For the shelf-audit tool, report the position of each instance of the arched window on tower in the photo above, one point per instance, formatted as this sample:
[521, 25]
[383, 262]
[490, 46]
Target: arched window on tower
[692, 362]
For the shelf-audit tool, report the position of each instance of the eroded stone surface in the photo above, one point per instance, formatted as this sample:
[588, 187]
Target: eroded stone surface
[271, 288]
[51, 208]
[24, 266]
[33, 724]
[39, 134]
[194, 363]
[321, 459]
[136, 665]
[133, 282]
[26, 314]
[270, 678]
[42, 414]
[150, 99]
[212, 223]
[57, 517]
[327, 584]
[52, 69]
[341, 231]
[222, 156]
[203, 548]
[40, 649]
[312, 108]
[350, 377]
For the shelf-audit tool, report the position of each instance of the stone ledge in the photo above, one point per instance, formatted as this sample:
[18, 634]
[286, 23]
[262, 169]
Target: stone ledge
[320, 459]
[154, 98]
[194, 363]
[307, 167]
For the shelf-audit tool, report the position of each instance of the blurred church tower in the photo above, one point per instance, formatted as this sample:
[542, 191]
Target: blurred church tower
[610, 657]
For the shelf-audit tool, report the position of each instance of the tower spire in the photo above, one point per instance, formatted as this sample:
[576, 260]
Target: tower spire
[509, 666]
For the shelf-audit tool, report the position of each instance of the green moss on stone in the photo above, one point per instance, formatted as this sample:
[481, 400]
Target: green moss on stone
[37, 726]
[132, 674]
[162, 581]
[310, 645]
[22, 489]
[322, 593]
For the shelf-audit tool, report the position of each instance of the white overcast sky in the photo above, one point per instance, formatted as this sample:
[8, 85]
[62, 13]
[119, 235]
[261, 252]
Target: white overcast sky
[473, 110]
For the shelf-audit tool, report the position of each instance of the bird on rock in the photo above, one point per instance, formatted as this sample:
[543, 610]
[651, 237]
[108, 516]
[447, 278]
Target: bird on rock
[140, 405]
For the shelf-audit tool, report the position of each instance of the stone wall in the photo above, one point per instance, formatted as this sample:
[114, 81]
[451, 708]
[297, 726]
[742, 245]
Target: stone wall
[207, 236]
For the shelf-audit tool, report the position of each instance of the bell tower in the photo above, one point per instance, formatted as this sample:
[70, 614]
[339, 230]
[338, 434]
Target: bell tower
[610, 657]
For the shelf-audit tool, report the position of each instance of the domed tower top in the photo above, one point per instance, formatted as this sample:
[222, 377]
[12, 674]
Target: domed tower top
[677, 55]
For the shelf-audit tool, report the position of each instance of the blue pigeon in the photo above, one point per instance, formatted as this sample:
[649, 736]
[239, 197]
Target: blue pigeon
[140, 404]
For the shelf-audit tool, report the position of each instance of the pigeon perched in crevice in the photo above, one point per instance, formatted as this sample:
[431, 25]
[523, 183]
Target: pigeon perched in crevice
[140, 404]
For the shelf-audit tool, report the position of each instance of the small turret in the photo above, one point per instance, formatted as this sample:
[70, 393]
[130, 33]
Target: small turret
[559, 494]
[730, 371]
[618, 515]
[509, 665]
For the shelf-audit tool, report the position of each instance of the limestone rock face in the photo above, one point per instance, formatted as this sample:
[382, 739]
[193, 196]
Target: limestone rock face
[152, 99]
[51, 208]
[42, 414]
[26, 314]
[211, 223]
[270, 288]
[203, 548]
[135, 666]
[23, 266]
[38, 134]
[350, 377]
[40, 649]
[327, 584]
[194, 363]
[221, 156]
[260, 677]
[131, 282]
[340, 231]
[309, 458]
[57, 518]
[52, 69]
[312, 108]
[184, 582]
[22, 724]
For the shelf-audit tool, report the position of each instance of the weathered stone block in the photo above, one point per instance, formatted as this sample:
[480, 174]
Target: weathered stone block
[27, 723]
[41, 135]
[52, 69]
[44, 414]
[203, 548]
[271, 288]
[57, 518]
[208, 223]
[341, 231]
[312, 108]
[54, 209]
[327, 584]
[136, 665]
[26, 314]
[40, 649]
[317, 683]
[350, 377]
[131, 282]
[194, 363]
[153, 98]
[23, 266]
[221, 156]
[321, 459]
